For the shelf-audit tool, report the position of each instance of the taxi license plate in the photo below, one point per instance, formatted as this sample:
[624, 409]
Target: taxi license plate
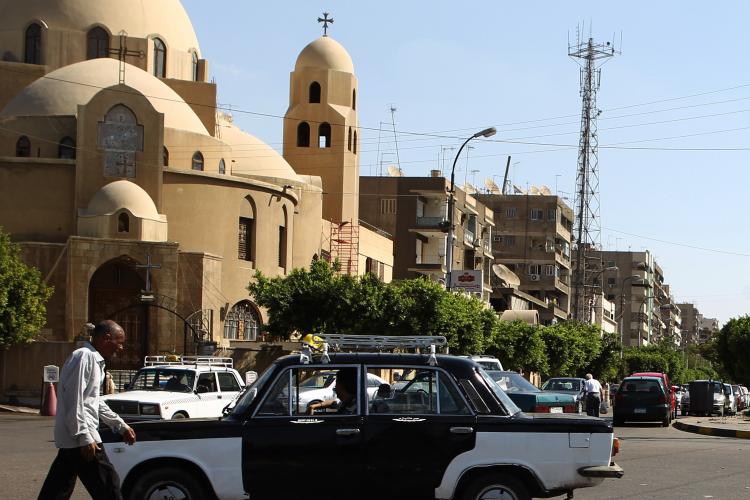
[555, 409]
[639, 410]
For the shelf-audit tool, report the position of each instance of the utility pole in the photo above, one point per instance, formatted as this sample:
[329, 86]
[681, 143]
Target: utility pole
[587, 225]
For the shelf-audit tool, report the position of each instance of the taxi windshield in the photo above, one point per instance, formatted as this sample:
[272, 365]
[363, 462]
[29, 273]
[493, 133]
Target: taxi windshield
[163, 379]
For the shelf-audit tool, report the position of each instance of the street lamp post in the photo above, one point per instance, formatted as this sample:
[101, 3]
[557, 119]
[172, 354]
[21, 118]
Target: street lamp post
[488, 132]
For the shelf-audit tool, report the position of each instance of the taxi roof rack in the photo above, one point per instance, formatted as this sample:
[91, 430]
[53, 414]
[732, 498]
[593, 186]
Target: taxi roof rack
[377, 343]
[174, 359]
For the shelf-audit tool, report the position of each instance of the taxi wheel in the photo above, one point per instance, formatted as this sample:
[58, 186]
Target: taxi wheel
[179, 414]
[168, 482]
[496, 487]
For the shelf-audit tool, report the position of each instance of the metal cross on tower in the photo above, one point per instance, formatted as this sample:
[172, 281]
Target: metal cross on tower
[123, 52]
[325, 20]
[148, 266]
[587, 225]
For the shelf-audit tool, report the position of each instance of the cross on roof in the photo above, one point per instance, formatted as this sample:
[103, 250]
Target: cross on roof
[325, 20]
[123, 52]
[148, 266]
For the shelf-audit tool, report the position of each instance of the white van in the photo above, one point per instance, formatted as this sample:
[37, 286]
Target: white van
[486, 362]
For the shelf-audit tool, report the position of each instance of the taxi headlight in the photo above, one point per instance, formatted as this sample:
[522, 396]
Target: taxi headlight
[149, 409]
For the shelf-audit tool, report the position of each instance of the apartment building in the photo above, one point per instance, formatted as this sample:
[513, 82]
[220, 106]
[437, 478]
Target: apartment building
[532, 239]
[415, 211]
[691, 322]
[604, 314]
[708, 328]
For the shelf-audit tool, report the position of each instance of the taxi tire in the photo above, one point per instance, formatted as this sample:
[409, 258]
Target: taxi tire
[144, 486]
[180, 414]
[517, 489]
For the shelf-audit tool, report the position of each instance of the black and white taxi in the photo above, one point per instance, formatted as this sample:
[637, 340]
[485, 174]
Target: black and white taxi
[439, 427]
[172, 387]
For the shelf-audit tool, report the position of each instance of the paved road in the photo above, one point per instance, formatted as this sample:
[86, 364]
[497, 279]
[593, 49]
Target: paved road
[659, 463]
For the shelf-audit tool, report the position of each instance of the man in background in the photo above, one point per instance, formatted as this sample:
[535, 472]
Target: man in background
[593, 395]
[79, 408]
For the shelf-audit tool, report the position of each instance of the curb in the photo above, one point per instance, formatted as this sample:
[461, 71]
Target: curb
[712, 431]
[18, 409]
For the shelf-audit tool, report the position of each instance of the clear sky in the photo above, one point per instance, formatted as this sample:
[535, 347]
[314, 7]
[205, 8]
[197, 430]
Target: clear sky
[673, 130]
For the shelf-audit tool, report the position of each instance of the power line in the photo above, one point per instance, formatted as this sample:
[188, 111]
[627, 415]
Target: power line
[685, 245]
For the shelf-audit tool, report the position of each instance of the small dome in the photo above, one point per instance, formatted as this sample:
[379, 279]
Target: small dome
[59, 93]
[325, 53]
[123, 194]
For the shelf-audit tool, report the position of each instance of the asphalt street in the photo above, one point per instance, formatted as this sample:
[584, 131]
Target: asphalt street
[660, 463]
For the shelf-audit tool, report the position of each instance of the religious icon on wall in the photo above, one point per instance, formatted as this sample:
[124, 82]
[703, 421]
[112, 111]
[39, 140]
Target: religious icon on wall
[121, 138]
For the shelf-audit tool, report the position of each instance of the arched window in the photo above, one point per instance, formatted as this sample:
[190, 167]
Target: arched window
[354, 145]
[314, 92]
[160, 58]
[23, 147]
[324, 135]
[282, 239]
[222, 167]
[33, 48]
[123, 223]
[349, 140]
[97, 43]
[66, 149]
[242, 322]
[246, 230]
[197, 161]
[303, 135]
[354, 99]
[195, 66]
[164, 156]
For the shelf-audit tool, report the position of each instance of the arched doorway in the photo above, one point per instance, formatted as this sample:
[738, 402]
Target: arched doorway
[113, 287]
[242, 322]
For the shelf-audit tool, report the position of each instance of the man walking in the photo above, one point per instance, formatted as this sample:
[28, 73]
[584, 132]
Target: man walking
[79, 409]
[593, 395]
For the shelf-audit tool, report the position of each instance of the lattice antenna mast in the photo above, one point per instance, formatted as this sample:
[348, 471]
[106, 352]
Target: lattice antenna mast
[590, 55]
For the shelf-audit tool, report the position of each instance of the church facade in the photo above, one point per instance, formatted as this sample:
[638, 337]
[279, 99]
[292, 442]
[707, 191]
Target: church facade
[140, 201]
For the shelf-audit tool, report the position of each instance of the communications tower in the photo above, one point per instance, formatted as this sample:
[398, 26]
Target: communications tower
[590, 56]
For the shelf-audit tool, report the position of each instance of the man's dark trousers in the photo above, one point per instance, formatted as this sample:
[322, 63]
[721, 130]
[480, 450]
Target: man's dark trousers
[593, 403]
[98, 476]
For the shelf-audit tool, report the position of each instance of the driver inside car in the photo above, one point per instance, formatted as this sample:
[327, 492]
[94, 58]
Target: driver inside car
[346, 392]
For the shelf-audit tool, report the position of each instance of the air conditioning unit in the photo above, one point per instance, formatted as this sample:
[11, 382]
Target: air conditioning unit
[612, 285]
[535, 277]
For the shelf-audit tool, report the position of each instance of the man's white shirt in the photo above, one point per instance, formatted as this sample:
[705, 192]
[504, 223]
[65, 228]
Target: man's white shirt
[79, 406]
[593, 386]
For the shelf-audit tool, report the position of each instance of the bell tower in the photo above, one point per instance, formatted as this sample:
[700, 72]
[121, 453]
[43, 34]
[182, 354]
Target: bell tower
[321, 134]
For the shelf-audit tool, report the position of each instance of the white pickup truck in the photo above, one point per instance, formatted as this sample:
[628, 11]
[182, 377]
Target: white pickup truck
[170, 387]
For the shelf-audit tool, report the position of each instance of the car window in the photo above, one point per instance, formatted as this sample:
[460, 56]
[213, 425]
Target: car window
[500, 393]
[512, 382]
[416, 391]
[228, 382]
[163, 379]
[206, 383]
[296, 389]
[635, 386]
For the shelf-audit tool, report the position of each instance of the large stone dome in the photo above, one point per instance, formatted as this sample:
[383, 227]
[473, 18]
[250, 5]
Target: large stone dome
[123, 194]
[59, 93]
[140, 18]
[325, 53]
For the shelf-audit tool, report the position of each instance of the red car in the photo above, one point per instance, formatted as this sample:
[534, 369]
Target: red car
[667, 387]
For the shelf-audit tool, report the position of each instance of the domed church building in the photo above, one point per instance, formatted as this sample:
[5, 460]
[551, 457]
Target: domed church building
[139, 201]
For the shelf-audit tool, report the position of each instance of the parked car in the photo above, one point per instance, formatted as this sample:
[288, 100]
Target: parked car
[486, 362]
[463, 438]
[707, 397]
[679, 392]
[685, 403]
[738, 397]
[643, 399]
[529, 398]
[568, 385]
[731, 400]
[745, 397]
[322, 386]
[670, 392]
[186, 387]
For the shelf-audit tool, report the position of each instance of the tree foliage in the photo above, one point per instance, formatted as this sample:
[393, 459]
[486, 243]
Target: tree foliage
[23, 297]
[571, 347]
[732, 345]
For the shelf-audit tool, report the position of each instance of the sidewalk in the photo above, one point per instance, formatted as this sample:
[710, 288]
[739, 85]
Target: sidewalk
[736, 426]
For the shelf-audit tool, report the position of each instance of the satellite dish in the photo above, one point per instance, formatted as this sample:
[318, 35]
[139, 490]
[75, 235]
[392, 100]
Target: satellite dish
[518, 190]
[545, 191]
[534, 190]
[491, 186]
[505, 274]
[394, 171]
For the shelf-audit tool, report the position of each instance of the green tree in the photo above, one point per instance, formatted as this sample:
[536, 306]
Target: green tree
[732, 345]
[519, 346]
[571, 347]
[607, 365]
[23, 297]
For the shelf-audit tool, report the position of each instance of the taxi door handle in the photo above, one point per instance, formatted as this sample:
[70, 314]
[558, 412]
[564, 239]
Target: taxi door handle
[462, 430]
[347, 432]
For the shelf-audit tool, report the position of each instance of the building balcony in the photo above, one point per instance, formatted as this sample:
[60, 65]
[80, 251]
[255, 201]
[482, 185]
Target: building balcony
[469, 237]
[428, 226]
[562, 286]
